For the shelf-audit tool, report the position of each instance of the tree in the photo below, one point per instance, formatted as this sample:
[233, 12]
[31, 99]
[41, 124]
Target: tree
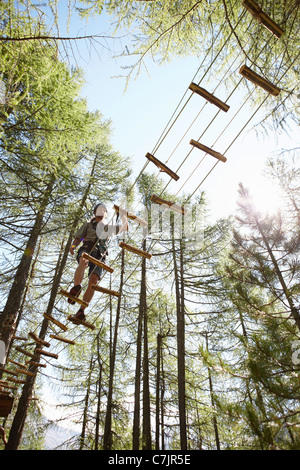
[180, 308]
[260, 292]
[107, 439]
[163, 30]
[270, 269]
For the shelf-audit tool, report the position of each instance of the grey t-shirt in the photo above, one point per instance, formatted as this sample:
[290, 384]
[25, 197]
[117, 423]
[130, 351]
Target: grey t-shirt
[90, 231]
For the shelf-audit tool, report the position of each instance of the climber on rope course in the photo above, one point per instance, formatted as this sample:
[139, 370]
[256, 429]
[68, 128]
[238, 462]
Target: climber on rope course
[95, 236]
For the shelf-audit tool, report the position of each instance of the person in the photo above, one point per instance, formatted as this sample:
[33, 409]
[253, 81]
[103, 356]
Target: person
[95, 236]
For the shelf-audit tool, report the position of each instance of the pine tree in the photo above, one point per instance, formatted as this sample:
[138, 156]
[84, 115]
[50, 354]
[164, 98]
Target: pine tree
[262, 262]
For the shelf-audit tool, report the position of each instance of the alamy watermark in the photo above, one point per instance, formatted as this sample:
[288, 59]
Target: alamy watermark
[165, 222]
[2, 92]
[2, 352]
[296, 353]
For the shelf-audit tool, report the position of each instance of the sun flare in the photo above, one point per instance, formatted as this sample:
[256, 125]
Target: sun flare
[267, 196]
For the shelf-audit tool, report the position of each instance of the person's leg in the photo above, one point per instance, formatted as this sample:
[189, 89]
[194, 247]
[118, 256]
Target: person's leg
[78, 276]
[79, 273]
[93, 279]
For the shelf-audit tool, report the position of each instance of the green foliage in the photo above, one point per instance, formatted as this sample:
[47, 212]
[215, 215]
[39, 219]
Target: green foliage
[241, 387]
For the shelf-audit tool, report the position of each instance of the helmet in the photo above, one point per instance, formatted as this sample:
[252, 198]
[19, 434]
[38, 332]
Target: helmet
[100, 204]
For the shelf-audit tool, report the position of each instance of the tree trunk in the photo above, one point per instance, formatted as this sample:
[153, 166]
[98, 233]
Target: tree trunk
[16, 430]
[157, 402]
[212, 398]
[137, 387]
[10, 312]
[107, 439]
[146, 437]
[180, 345]
[86, 406]
[97, 427]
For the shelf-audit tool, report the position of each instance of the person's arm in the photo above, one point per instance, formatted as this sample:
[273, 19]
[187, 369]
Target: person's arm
[74, 245]
[79, 235]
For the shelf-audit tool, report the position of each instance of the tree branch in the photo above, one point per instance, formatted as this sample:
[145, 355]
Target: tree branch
[56, 38]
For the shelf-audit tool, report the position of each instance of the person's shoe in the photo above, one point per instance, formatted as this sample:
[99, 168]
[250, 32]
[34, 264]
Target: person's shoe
[75, 291]
[80, 315]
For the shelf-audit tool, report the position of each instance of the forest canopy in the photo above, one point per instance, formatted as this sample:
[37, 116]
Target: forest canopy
[198, 346]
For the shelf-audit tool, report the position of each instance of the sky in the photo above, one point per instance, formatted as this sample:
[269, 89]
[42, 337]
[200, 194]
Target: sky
[139, 116]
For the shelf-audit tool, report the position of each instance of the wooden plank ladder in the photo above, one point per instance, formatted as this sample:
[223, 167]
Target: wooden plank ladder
[260, 81]
[38, 340]
[36, 364]
[168, 204]
[7, 371]
[46, 353]
[209, 97]
[130, 216]
[135, 250]
[106, 291]
[73, 297]
[25, 352]
[76, 321]
[162, 166]
[97, 263]
[10, 387]
[16, 381]
[263, 18]
[208, 150]
[16, 363]
[26, 372]
[64, 340]
[56, 322]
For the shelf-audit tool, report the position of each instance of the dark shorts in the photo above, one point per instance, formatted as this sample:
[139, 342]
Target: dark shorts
[93, 268]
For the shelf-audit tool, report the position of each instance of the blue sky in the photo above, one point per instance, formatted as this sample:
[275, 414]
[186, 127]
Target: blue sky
[140, 114]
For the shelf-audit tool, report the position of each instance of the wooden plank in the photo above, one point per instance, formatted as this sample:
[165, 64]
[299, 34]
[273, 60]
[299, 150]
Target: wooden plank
[130, 216]
[56, 322]
[73, 297]
[260, 81]
[162, 166]
[168, 204]
[7, 371]
[16, 381]
[36, 364]
[24, 351]
[135, 250]
[205, 149]
[252, 7]
[6, 403]
[97, 262]
[26, 372]
[106, 291]
[10, 387]
[20, 338]
[46, 353]
[81, 322]
[209, 97]
[16, 363]
[257, 12]
[268, 23]
[64, 340]
[38, 340]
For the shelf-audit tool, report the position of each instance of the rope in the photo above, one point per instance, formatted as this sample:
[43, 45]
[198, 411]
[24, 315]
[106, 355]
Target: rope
[172, 122]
